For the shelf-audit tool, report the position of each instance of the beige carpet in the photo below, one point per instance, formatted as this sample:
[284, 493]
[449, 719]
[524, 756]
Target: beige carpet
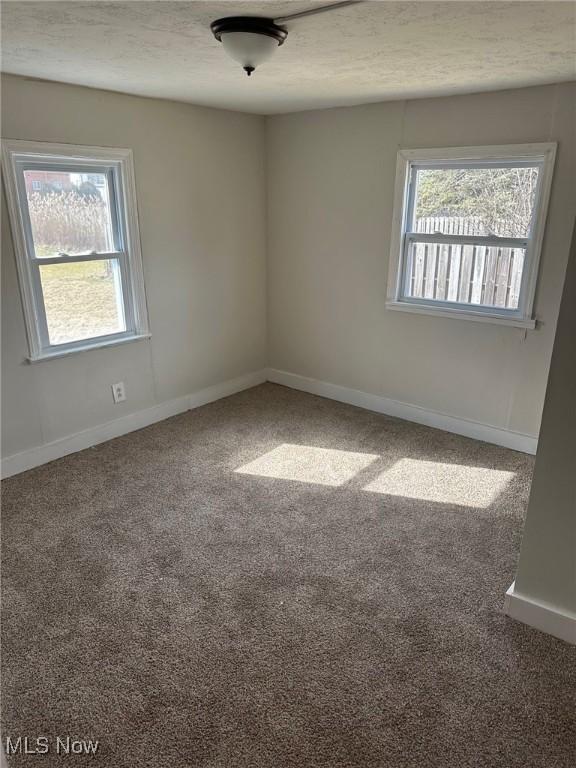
[275, 581]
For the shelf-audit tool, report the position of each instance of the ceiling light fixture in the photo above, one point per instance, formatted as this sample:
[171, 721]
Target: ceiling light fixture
[250, 40]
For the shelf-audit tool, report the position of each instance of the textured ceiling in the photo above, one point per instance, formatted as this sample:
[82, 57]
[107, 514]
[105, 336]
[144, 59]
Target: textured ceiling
[370, 52]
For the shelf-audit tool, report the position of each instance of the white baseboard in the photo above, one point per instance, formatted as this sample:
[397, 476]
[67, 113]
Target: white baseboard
[34, 457]
[515, 440]
[543, 616]
[42, 454]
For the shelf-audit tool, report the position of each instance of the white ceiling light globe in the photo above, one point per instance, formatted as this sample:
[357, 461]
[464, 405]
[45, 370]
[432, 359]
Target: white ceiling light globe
[248, 48]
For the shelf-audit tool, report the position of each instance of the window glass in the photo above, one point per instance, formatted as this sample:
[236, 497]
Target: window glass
[485, 201]
[82, 300]
[478, 275]
[69, 212]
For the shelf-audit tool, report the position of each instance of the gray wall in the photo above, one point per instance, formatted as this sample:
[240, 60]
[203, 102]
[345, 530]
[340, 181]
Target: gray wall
[204, 200]
[201, 199]
[330, 195]
[547, 567]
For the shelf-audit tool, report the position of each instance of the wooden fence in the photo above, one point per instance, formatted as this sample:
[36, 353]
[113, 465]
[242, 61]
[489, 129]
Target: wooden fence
[469, 274]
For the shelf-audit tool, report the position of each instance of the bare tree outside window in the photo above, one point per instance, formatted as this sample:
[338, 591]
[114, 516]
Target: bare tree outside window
[496, 201]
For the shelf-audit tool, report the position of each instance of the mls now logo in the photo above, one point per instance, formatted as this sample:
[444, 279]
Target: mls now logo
[41, 745]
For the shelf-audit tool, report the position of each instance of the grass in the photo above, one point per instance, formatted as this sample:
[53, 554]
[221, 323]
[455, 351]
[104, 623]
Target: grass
[80, 300]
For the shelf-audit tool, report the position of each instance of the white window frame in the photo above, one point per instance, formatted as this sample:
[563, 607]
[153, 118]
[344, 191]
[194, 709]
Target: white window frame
[408, 160]
[118, 165]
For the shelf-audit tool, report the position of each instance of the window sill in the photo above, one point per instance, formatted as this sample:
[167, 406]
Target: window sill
[462, 314]
[53, 354]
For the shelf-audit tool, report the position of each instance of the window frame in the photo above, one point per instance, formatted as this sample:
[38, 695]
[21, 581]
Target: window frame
[118, 166]
[408, 161]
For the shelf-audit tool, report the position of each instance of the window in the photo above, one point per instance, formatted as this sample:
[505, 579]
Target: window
[77, 245]
[467, 231]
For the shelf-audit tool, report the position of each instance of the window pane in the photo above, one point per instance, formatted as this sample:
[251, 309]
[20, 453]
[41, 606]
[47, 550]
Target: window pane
[82, 300]
[475, 201]
[69, 212]
[467, 274]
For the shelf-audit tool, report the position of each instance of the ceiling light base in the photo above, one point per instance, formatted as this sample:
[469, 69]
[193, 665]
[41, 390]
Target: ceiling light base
[255, 24]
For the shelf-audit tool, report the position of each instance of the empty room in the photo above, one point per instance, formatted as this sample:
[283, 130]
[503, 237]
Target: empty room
[288, 384]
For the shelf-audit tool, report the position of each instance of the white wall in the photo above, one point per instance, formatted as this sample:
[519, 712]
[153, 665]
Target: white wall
[330, 195]
[547, 566]
[201, 199]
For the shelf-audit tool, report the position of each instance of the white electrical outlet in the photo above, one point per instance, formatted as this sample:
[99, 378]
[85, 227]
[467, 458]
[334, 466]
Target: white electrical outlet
[119, 392]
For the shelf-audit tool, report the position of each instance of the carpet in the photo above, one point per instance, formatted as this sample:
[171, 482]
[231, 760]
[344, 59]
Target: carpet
[276, 580]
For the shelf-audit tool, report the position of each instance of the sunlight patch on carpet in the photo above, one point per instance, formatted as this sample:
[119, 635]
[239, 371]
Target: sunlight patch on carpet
[444, 483]
[307, 464]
